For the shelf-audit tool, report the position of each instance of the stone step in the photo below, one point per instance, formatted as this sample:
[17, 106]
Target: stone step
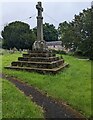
[38, 64]
[40, 70]
[41, 59]
[38, 51]
[39, 55]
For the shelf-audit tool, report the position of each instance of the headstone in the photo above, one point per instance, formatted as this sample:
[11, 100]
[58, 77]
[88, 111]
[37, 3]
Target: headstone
[20, 50]
[14, 49]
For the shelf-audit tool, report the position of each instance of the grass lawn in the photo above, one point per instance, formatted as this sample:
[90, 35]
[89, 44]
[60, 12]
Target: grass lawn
[0, 98]
[72, 85]
[16, 105]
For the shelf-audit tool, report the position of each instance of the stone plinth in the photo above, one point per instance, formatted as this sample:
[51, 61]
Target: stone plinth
[43, 62]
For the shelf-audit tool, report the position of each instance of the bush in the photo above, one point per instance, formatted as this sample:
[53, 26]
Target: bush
[59, 52]
[71, 53]
[78, 53]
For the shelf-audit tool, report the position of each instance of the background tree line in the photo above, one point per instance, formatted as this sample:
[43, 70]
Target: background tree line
[76, 35]
[19, 35]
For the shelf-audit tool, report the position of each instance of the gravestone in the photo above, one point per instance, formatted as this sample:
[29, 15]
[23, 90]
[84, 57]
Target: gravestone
[39, 59]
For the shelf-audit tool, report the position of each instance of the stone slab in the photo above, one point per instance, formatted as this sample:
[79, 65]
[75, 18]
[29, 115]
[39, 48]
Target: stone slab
[40, 70]
[38, 64]
[41, 59]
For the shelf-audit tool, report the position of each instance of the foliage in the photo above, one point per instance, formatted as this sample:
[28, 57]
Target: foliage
[49, 32]
[0, 42]
[72, 85]
[59, 52]
[18, 34]
[16, 104]
[65, 31]
[77, 35]
[78, 53]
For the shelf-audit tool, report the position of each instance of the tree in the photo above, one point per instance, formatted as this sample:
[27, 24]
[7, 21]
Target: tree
[65, 34]
[49, 32]
[78, 33]
[0, 42]
[84, 30]
[18, 34]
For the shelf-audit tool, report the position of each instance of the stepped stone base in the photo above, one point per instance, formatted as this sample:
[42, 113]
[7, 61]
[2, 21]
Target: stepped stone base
[40, 70]
[39, 61]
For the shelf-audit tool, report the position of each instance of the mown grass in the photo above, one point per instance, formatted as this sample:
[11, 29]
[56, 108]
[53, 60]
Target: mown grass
[0, 98]
[16, 105]
[72, 85]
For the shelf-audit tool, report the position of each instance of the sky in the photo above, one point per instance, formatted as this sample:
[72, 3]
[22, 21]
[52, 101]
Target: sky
[55, 11]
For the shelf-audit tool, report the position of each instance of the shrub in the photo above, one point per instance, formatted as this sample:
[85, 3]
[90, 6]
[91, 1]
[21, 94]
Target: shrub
[59, 52]
[78, 53]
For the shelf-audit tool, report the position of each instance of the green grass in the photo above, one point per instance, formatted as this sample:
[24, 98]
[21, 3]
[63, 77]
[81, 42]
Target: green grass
[0, 98]
[16, 105]
[72, 85]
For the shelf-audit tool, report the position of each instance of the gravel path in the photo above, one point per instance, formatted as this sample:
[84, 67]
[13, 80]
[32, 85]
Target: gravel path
[52, 108]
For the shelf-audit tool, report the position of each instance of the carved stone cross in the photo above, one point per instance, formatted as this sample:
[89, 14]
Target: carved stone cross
[40, 9]
[39, 44]
[39, 22]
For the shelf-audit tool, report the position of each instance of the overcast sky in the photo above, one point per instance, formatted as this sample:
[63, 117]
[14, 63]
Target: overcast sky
[54, 12]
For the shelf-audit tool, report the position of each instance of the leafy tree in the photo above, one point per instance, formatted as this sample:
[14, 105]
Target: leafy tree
[49, 32]
[17, 34]
[66, 34]
[0, 42]
[84, 30]
[78, 33]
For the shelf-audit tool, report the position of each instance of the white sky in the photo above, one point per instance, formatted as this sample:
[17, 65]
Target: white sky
[59, 10]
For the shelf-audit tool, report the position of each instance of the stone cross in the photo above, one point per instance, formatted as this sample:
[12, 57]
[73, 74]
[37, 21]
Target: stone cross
[39, 22]
[39, 44]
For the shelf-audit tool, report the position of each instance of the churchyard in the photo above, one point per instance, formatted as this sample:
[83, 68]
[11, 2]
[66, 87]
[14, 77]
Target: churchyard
[41, 83]
[72, 85]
